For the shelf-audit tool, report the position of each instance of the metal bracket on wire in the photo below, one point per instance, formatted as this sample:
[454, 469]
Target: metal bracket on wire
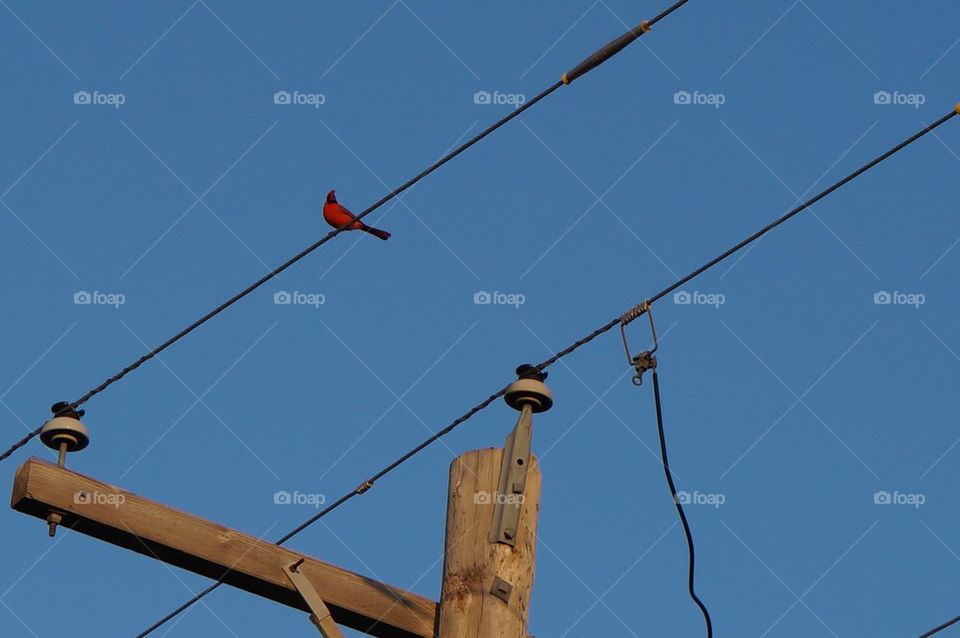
[644, 360]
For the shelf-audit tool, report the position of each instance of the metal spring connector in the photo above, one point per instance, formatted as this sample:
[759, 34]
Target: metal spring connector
[366, 485]
[644, 360]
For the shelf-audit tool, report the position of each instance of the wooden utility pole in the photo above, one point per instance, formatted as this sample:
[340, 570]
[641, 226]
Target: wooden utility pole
[494, 499]
[486, 585]
[492, 508]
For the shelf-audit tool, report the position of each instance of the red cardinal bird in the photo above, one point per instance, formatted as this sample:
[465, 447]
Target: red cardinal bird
[337, 215]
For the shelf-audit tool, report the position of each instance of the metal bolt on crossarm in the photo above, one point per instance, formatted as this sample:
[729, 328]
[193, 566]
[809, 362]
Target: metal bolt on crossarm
[63, 433]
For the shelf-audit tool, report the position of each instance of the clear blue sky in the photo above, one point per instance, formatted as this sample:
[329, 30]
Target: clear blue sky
[797, 399]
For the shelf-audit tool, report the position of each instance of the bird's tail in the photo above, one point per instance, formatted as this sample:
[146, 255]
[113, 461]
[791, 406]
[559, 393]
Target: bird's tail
[376, 232]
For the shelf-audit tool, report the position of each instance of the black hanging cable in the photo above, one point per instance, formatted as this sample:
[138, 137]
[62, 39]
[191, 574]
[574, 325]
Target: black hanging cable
[590, 63]
[622, 320]
[679, 506]
[939, 628]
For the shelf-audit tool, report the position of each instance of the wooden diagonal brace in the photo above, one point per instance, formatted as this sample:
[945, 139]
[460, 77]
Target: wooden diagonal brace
[320, 615]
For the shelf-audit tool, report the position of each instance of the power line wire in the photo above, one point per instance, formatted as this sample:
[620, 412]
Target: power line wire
[620, 320]
[939, 628]
[755, 236]
[273, 273]
[590, 63]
